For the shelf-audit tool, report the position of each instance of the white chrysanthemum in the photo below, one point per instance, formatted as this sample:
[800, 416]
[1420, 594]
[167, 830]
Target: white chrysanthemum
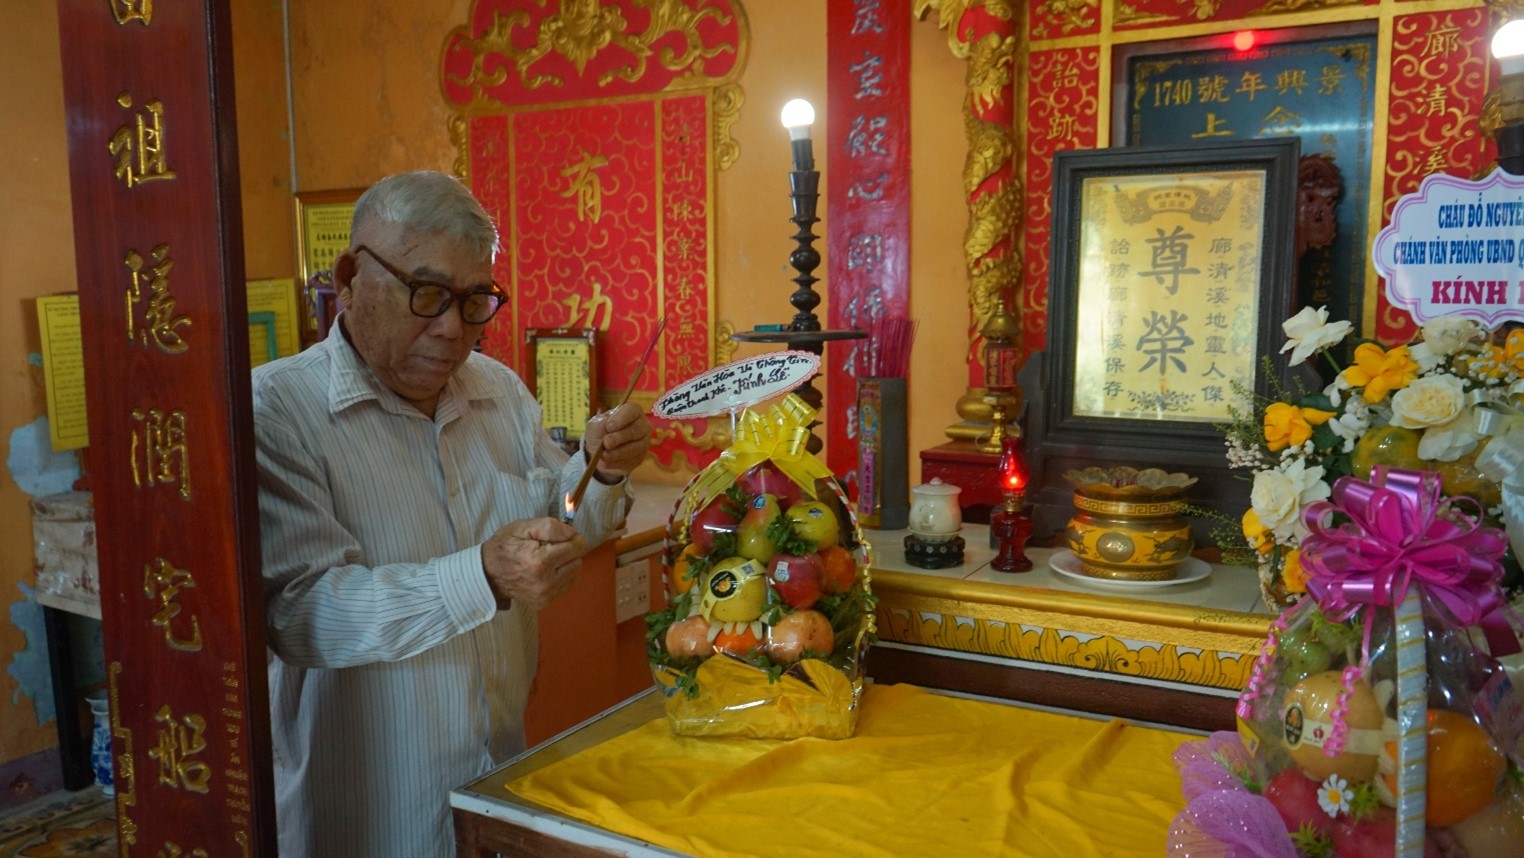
[1279, 494]
[1309, 332]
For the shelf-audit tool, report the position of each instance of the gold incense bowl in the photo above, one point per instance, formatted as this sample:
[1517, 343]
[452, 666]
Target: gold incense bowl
[1128, 524]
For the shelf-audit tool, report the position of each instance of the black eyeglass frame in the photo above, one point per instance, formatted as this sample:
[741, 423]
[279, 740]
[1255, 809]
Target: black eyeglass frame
[413, 285]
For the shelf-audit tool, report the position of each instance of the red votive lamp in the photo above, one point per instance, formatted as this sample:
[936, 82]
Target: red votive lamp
[1010, 525]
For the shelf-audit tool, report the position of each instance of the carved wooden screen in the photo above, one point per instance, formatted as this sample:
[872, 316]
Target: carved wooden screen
[591, 132]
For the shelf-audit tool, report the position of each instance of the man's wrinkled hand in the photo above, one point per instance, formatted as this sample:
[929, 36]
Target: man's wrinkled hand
[625, 434]
[532, 561]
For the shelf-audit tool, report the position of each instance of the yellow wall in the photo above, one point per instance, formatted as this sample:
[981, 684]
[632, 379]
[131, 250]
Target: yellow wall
[366, 103]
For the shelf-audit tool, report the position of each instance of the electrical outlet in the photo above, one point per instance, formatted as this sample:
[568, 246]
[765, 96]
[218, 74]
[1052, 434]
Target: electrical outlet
[632, 590]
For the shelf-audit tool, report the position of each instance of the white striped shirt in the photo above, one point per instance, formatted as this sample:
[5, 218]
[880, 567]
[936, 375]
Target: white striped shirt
[393, 678]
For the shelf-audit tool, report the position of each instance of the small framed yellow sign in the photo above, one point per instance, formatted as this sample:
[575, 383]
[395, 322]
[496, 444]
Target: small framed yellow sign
[562, 373]
[322, 227]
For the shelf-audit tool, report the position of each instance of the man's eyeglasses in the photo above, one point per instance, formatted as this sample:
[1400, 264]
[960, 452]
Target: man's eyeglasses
[429, 299]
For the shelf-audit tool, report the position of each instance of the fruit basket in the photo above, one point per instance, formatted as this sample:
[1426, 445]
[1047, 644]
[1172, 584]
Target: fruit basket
[1378, 719]
[769, 611]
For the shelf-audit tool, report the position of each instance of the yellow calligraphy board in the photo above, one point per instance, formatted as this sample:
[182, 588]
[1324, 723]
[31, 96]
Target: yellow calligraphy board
[563, 383]
[278, 297]
[325, 227]
[63, 370]
[1168, 305]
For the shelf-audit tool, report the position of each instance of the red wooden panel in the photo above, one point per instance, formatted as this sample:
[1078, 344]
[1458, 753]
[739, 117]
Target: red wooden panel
[153, 169]
[1439, 79]
[1063, 92]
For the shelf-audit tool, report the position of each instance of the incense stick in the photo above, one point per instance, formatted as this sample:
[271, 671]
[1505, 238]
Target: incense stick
[574, 500]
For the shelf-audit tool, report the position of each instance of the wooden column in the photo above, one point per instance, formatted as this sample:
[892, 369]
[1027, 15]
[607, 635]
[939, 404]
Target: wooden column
[158, 242]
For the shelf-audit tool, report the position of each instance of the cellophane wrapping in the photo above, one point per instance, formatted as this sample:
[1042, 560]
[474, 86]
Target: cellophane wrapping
[769, 614]
[1377, 719]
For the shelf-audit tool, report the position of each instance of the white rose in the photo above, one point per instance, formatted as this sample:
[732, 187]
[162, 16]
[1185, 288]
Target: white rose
[1433, 400]
[1437, 404]
[1279, 495]
[1309, 332]
[1449, 334]
[1451, 441]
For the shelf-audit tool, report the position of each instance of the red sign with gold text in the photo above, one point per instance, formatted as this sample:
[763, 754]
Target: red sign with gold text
[158, 235]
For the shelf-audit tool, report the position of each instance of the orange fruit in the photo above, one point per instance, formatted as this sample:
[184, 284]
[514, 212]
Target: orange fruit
[680, 576]
[1464, 768]
[742, 642]
[840, 570]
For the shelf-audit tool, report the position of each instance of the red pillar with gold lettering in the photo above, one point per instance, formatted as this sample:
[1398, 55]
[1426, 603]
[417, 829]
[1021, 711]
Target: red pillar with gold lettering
[158, 242]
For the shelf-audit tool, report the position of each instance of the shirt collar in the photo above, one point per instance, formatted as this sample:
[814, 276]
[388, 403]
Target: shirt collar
[351, 380]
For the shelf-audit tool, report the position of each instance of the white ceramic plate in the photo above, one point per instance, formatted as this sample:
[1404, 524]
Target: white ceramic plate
[1066, 564]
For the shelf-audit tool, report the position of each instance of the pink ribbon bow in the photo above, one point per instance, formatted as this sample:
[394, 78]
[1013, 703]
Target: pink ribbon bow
[1402, 533]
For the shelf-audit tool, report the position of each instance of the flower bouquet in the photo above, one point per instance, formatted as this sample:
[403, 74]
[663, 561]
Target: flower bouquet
[1437, 403]
[770, 614]
[1372, 723]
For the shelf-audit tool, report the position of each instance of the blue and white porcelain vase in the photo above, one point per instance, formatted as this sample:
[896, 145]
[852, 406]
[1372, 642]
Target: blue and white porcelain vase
[100, 742]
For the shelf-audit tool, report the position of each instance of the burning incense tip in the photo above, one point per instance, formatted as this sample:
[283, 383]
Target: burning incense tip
[568, 509]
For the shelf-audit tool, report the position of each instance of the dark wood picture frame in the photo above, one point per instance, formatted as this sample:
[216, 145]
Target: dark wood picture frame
[1060, 438]
[569, 390]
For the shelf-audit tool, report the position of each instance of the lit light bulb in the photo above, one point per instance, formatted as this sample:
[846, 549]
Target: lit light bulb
[798, 116]
[1508, 47]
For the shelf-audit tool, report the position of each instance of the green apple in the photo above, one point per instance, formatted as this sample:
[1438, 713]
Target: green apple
[751, 534]
[816, 522]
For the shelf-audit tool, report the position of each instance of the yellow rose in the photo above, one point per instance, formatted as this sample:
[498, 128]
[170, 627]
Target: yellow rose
[1379, 371]
[1292, 572]
[1289, 426]
[1256, 533]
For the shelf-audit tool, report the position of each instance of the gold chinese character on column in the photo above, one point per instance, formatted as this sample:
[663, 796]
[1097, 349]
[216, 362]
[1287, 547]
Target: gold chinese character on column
[158, 307]
[160, 455]
[138, 146]
[174, 745]
[127, 11]
[165, 584]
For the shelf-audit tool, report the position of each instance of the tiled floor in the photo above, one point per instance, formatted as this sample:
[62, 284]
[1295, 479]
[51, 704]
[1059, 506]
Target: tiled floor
[74, 824]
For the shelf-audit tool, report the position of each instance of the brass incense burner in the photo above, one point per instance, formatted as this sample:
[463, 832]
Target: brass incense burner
[1128, 523]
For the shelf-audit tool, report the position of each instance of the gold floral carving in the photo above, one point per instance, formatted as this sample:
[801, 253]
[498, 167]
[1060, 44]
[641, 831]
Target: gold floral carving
[1166, 662]
[1071, 14]
[725, 344]
[714, 436]
[460, 138]
[124, 772]
[581, 30]
[1276, 7]
[727, 110]
[1127, 15]
[950, 14]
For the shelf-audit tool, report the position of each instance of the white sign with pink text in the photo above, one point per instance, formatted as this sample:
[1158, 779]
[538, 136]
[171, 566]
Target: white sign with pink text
[1456, 248]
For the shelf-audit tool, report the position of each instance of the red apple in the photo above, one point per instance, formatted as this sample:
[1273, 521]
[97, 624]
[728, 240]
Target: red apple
[1376, 834]
[797, 578]
[1295, 797]
[765, 478]
[797, 633]
[708, 523]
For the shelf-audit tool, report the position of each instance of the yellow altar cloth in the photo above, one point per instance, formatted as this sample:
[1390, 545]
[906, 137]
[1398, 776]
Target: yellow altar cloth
[925, 774]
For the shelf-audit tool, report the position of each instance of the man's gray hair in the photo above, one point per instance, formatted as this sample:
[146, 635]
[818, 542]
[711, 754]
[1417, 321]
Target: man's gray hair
[428, 201]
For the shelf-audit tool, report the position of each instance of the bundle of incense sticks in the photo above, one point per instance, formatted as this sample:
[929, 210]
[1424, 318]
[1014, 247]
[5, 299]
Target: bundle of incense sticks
[574, 499]
[886, 354]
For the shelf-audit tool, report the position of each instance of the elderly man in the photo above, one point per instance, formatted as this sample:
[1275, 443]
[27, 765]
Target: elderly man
[404, 486]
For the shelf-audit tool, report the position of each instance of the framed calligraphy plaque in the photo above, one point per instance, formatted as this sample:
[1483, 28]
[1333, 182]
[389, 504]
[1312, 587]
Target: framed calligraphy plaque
[562, 373]
[1172, 268]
